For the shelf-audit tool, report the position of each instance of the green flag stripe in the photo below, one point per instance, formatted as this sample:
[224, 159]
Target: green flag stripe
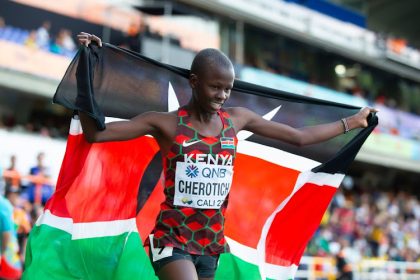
[109, 250]
[51, 254]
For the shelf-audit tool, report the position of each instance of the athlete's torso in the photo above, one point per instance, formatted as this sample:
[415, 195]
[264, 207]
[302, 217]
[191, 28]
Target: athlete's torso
[198, 173]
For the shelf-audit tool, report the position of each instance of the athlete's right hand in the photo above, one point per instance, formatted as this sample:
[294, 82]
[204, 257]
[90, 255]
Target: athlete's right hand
[86, 38]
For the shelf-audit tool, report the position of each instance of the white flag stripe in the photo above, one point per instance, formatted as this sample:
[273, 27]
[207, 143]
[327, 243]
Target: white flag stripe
[244, 252]
[173, 103]
[320, 179]
[75, 127]
[276, 156]
[47, 218]
[249, 254]
[87, 230]
[101, 229]
[244, 134]
[109, 119]
[280, 272]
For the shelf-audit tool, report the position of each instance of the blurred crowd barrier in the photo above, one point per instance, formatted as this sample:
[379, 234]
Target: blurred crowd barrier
[325, 268]
[372, 235]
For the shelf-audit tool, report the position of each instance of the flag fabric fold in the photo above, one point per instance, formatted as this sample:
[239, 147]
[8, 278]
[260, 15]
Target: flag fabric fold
[108, 194]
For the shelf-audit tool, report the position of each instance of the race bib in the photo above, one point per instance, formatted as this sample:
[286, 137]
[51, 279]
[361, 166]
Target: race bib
[159, 253]
[202, 185]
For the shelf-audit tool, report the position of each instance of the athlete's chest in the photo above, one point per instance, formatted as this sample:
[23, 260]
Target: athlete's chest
[208, 128]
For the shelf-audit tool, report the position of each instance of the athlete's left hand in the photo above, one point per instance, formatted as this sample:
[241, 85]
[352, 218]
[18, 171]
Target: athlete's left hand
[359, 120]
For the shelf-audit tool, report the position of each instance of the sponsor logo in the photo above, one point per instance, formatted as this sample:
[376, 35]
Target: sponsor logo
[201, 185]
[185, 200]
[187, 144]
[191, 171]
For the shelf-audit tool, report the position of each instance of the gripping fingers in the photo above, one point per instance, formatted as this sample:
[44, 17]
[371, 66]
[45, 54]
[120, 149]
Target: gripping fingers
[86, 38]
[96, 39]
[83, 38]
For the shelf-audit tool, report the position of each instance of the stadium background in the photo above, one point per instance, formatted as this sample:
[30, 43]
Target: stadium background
[349, 51]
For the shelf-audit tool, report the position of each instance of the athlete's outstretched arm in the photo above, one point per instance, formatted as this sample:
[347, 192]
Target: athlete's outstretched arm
[120, 130]
[248, 120]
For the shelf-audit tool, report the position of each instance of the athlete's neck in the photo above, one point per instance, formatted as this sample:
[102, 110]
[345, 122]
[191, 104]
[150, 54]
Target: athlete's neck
[199, 114]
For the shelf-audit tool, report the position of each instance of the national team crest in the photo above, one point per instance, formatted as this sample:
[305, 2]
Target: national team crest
[227, 143]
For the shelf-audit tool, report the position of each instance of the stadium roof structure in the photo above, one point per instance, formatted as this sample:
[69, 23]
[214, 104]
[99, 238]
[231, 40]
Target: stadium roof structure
[293, 25]
[399, 18]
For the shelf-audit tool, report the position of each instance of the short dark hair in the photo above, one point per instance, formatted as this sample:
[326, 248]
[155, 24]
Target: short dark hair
[209, 58]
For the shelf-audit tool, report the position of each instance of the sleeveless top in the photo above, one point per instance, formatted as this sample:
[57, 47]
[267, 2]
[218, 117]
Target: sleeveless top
[198, 175]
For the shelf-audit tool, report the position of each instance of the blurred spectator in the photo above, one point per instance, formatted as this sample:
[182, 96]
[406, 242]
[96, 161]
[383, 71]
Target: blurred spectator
[2, 23]
[2, 182]
[6, 225]
[31, 40]
[12, 176]
[40, 189]
[344, 268]
[342, 220]
[11, 266]
[40, 167]
[44, 131]
[56, 46]
[21, 220]
[3, 28]
[132, 39]
[43, 35]
[66, 41]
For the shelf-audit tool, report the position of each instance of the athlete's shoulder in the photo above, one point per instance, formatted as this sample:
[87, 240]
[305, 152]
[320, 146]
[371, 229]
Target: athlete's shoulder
[237, 112]
[157, 118]
[240, 116]
[164, 123]
[162, 115]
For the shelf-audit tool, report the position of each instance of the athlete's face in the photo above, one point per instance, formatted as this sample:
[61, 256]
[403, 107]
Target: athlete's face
[211, 89]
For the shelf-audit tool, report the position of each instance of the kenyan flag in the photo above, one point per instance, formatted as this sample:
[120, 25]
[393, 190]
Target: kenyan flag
[108, 194]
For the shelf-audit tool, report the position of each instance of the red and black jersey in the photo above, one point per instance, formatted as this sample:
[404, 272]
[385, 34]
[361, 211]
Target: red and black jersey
[198, 172]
